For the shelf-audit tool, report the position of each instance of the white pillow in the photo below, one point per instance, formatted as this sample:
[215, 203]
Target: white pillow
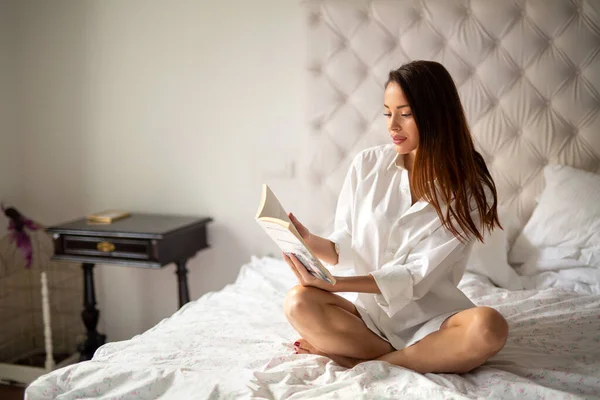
[564, 229]
[490, 258]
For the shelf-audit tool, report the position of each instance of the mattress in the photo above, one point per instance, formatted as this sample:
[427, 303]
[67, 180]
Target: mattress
[236, 343]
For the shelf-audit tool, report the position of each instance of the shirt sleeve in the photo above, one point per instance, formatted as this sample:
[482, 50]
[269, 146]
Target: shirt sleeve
[404, 280]
[342, 233]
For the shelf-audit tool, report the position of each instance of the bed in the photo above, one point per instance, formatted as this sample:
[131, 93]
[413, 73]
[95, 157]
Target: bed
[529, 76]
[236, 343]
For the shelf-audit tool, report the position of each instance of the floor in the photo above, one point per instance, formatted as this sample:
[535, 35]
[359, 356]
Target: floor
[12, 392]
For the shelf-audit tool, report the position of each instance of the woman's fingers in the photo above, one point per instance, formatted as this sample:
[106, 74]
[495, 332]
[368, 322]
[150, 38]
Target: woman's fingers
[293, 267]
[296, 223]
[299, 227]
[288, 260]
[306, 276]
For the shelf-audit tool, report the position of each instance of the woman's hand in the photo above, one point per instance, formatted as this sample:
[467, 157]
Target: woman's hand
[322, 248]
[304, 277]
[302, 230]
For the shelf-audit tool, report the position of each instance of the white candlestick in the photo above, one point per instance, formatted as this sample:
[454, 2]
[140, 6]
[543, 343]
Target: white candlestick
[47, 327]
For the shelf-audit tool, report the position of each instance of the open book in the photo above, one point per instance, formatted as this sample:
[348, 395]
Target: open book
[275, 221]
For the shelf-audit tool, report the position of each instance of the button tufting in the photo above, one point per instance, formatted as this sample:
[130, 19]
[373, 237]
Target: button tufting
[361, 124]
[522, 68]
[314, 18]
[361, 71]
[366, 15]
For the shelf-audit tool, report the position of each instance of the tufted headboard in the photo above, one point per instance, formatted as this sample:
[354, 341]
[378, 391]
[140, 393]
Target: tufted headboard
[528, 73]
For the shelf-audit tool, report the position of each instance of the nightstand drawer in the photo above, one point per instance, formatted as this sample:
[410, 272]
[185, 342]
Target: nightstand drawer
[109, 247]
[141, 240]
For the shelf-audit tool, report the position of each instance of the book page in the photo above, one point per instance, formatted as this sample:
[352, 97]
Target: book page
[290, 244]
[271, 207]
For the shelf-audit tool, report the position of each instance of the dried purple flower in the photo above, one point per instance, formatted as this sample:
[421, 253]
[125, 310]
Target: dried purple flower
[17, 227]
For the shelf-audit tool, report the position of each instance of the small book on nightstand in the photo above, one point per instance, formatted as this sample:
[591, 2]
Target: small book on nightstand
[107, 216]
[276, 223]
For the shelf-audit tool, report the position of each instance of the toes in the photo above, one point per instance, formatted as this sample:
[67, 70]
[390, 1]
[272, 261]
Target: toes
[302, 351]
[301, 346]
[297, 345]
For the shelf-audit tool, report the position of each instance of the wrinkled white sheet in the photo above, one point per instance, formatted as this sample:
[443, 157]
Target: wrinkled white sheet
[583, 280]
[236, 343]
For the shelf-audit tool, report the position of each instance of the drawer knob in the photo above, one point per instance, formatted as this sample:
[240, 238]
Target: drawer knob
[105, 247]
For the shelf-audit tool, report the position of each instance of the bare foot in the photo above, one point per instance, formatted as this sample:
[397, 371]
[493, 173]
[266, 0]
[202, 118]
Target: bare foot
[303, 347]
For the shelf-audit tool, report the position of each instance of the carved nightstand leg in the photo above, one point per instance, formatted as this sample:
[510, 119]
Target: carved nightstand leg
[182, 283]
[90, 316]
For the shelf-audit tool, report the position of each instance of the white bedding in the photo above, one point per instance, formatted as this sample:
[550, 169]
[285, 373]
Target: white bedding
[236, 343]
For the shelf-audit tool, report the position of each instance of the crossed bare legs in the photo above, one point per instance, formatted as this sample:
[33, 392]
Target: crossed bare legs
[331, 326]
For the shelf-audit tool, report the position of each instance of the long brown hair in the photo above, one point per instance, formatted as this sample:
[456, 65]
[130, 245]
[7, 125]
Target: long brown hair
[446, 151]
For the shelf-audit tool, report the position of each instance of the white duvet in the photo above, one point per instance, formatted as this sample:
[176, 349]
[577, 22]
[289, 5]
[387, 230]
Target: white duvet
[236, 343]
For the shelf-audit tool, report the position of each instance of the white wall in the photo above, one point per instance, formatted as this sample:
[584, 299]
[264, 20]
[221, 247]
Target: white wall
[176, 107]
[9, 171]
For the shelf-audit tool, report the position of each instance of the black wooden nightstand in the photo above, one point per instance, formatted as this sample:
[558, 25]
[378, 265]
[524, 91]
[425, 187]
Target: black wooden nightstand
[140, 240]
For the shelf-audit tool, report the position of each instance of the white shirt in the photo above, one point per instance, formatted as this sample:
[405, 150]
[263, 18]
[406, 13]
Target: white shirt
[416, 262]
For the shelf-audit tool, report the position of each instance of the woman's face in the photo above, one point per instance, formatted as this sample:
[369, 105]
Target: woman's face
[400, 122]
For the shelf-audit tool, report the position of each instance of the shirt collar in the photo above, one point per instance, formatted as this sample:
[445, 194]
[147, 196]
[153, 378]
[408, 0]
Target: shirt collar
[397, 162]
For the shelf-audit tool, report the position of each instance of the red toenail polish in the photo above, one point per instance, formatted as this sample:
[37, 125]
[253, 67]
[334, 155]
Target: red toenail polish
[296, 343]
[296, 352]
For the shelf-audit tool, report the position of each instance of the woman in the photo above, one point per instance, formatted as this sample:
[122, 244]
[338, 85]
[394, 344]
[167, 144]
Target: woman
[406, 220]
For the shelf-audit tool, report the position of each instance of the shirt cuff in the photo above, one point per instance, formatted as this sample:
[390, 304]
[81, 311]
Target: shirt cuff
[344, 244]
[396, 285]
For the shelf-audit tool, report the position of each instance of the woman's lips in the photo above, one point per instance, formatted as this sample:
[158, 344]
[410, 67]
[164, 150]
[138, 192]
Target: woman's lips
[398, 139]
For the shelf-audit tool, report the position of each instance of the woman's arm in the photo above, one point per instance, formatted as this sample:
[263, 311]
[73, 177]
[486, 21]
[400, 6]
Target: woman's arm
[323, 248]
[360, 284]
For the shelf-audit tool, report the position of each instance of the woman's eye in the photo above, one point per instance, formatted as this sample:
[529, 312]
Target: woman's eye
[403, 115]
